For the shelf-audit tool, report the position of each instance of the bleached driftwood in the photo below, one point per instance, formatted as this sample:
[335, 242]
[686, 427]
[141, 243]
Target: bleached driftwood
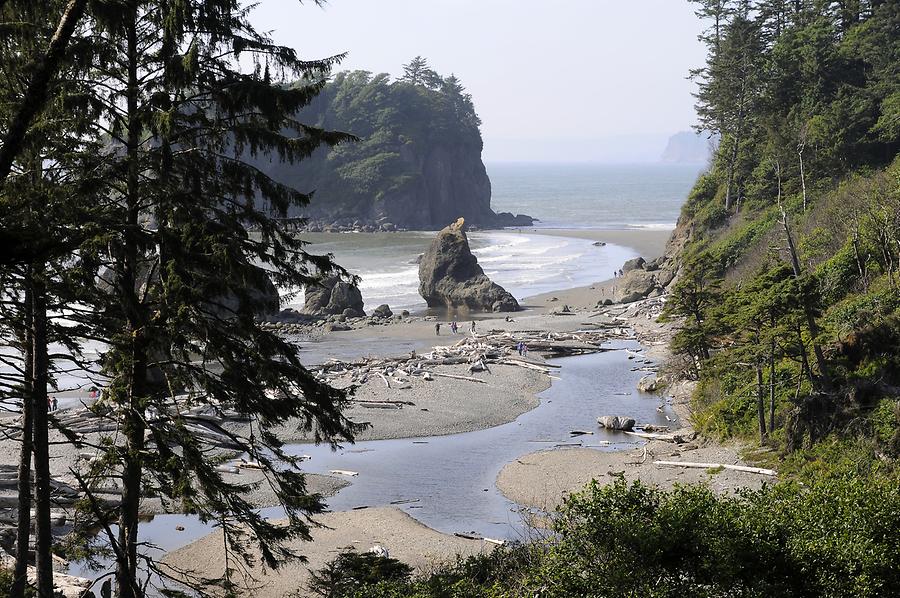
[653, 436]
[458, 377]
[695, 465]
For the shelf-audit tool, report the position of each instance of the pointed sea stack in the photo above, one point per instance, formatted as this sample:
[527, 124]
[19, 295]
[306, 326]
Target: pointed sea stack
[449, 275]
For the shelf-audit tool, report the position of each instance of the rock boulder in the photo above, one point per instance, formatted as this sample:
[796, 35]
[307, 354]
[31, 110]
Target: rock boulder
[333, 296]
[635, 285]
[383, 311]
[449, 276]
[634, 264]
[615, 422]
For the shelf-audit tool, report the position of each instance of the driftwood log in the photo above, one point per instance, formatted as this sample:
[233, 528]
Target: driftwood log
[692, 464]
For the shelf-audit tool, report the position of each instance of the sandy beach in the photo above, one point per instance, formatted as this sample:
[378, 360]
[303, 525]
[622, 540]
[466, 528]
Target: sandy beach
[543, 479]
[407, 539]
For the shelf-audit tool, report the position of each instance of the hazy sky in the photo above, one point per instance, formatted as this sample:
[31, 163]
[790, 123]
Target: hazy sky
[592, 80]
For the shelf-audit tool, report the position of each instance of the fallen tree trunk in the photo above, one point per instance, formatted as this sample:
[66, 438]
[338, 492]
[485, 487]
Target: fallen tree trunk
[695, 465]
[457, 377]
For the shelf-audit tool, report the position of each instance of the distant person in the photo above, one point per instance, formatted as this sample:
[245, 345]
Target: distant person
[437, 328]
[519, 347]
[524, 350]
[473, 327]
[454, 327]
[55, 404]
[49, 403]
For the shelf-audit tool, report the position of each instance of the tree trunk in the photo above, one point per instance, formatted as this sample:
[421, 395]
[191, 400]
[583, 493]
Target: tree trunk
[772, 382]
[732, 162]
[802, 176]
[858, 256]
[23, 531]
[43, 534]
[38, 89]
[807, 312]
[760, 404]
[133, 420]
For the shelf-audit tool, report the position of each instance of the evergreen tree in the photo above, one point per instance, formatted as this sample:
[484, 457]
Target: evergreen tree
[194, 233]
[42, 145]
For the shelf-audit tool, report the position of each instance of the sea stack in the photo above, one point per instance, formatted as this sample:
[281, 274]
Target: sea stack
[449, 275]
[334, 296]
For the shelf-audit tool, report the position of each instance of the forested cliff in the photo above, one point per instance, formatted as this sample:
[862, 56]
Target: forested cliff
[789, 247]
[417, 163]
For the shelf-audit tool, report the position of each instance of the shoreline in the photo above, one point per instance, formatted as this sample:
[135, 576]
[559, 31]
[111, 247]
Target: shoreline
[444, 406]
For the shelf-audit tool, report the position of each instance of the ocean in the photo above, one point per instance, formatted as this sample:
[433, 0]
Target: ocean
[598, 196]
[529, 261]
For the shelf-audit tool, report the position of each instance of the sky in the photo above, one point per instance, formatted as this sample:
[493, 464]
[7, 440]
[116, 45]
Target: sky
[553, 80]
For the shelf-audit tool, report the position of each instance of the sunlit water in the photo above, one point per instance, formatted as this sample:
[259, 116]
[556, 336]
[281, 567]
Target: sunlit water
[523, 263]
[586, 195]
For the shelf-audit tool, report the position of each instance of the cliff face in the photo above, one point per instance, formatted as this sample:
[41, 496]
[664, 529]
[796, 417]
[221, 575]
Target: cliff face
[417, 164]
[688, 147]
[449, 182]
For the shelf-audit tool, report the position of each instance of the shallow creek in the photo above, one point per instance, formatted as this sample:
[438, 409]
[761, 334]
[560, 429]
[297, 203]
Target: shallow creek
[447, 482]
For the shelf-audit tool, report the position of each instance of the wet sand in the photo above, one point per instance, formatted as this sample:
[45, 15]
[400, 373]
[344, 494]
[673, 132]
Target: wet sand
[649, 243]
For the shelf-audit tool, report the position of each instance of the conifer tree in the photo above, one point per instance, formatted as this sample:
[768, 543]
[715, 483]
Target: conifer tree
[195, 234]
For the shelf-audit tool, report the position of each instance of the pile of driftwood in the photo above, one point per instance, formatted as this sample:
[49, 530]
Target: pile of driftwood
[478, 351]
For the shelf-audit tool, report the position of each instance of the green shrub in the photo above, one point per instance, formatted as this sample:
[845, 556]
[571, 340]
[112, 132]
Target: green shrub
[6, 582]
[350, 571]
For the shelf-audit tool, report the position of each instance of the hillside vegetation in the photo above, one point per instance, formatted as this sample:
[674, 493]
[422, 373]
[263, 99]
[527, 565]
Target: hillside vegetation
[789, 273]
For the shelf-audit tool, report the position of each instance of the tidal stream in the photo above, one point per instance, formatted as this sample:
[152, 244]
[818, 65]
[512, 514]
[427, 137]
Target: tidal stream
[448, 482]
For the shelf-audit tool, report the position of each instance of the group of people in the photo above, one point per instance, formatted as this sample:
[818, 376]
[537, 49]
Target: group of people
[454, 327]
[522, 348]
[618, 273]
[52, 403]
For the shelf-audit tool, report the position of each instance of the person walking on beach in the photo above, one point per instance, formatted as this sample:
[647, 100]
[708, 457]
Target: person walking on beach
[454, 328]
[519, 347]
[524, 350]
[55, 404]
[473, 327]
[437, 328]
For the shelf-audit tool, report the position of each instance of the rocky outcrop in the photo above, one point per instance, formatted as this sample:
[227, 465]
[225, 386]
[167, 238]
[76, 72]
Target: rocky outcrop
[634, 264]
[616, 422]
[652, 383]
[334, 296]
[260, 296]
[416, 166]
[383, 311]
[642, 279]
[635, 285]
[449, 275]
[442, 182]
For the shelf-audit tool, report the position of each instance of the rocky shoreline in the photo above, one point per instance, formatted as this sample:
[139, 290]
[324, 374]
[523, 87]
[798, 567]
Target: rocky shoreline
[500, 220]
